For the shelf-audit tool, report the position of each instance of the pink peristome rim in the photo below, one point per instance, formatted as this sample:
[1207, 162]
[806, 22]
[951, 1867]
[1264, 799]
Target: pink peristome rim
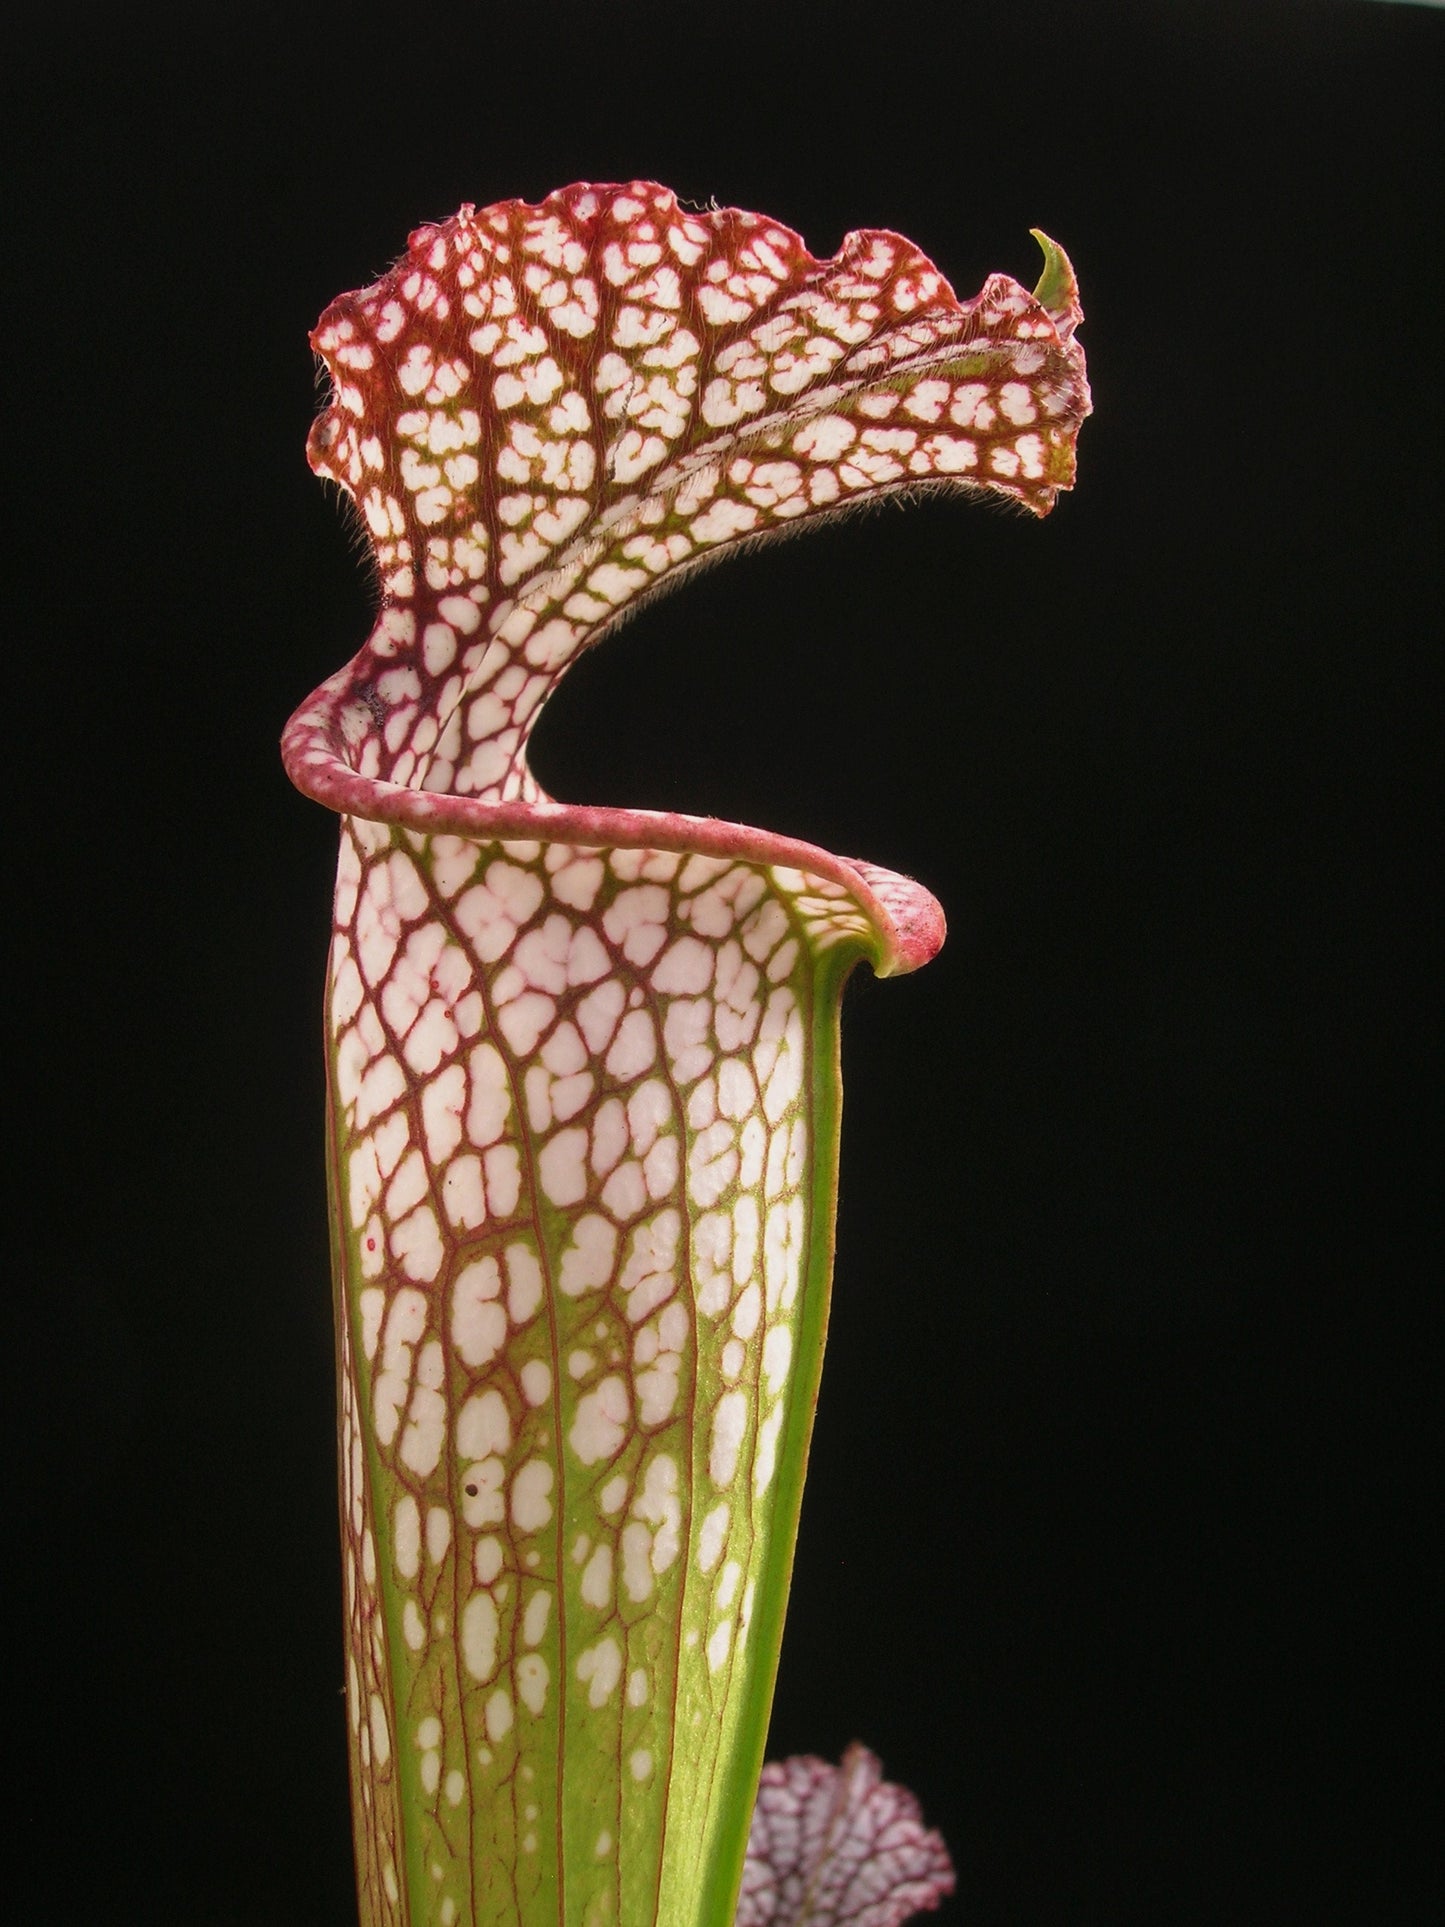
[908, 919]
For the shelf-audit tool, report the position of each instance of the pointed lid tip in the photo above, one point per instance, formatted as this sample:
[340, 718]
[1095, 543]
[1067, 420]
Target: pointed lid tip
[1057, 292]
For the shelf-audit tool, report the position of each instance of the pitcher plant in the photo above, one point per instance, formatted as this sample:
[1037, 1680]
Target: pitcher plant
[583, 1062]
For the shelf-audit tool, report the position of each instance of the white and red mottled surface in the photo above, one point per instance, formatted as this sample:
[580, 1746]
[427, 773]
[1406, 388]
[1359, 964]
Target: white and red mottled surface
[583, 1078]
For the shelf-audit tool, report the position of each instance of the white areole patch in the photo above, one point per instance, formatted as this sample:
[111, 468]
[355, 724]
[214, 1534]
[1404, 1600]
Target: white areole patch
[534, 1620]
[532, 1676]
[599, 1427]
[635, 1047]
[380, 1731]
[483, 1493]
[425, 1430]
[727, 1585]
[499, 1716]
[438, 1533]
[658, 1505]
[713, 1536]
[562, 1167]
[599, 1668]
[777, 1356]
[484, 1426]
[766, 1459]
[406, 1536]
[636, 1544]
[729, 1423]
[479, 1636]
[536, 1380]
[531, 1503]
[524, 1288]
[443, 1102]
[685, 968]
[596, 1583]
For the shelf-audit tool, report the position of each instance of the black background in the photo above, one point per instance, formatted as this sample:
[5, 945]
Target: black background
[1117, 1545]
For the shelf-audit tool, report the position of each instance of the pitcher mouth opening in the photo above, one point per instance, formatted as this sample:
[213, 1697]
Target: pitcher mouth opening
[906, 920]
